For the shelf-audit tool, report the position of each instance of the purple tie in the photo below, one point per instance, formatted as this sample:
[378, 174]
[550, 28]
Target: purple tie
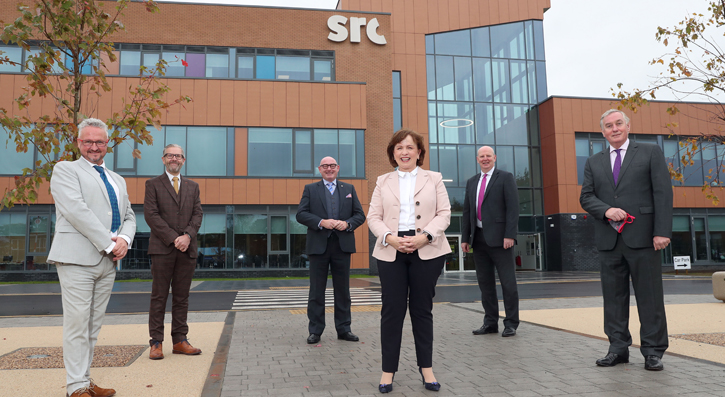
[617, 166]
[480, 195]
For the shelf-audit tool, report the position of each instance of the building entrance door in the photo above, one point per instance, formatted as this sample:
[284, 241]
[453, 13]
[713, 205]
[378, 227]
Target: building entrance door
[457, 260]
[528, 252]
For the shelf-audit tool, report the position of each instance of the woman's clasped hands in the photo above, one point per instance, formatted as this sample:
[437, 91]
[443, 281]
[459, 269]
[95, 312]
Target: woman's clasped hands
[407, 244]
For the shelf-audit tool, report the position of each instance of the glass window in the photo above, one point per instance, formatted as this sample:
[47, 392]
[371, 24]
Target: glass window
[716, 227]
[397, 103]
[270, 143]
[521, 165]
[293, 68]
[526, 202]
[12, 241]
[298, 241]
[519, 88]
[484, 124]
[507, 41]
[347, 158]
[396, 84]
[510, 121]
[429, 46]
[245, 67]
[211, 241]
[174, 67]
[15, 54]
[692, 174]
[480, 42]
[12, 162]
[464, 79]
[322, 69]
[671, 152]
[207, 156]
[303, 152]
[433, 156]
[539, 40]
[709, 162]
[124, 155]
[505, 158]
[130, 62]
[150, 162]
[430, 73]
[541, 77]
[197, 65]
[536, 168]
[265, 67]
[501, 86]
[531, 73]
[325, 145]
[681, 238]
[360, 150]
[432, 122]
[250, 241]
[453, 43]
[444, 79]
[467, 165]
[582, 154]
[529, 32]
[448, 163]
[455, 122]
[278, 235]
[149, 61]
[217, 65]
[482, 84]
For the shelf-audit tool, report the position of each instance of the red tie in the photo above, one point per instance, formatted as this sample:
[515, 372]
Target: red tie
[480, 195]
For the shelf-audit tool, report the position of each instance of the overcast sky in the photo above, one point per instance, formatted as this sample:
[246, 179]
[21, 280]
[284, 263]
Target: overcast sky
[591, 45]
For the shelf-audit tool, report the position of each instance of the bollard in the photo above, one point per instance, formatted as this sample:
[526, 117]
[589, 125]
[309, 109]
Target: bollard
[718, 285]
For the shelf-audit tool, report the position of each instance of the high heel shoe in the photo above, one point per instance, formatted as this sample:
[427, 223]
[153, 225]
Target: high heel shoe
[433, 386]
[386, 388]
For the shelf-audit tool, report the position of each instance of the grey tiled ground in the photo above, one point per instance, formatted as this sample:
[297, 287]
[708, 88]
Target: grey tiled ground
[269, 356]
[110, 319]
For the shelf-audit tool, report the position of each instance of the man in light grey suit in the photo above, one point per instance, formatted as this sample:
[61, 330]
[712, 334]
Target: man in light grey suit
[630, 182]
[94, 227]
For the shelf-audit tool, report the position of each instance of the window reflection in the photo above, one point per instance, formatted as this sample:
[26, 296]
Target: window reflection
[453, 43]
[507, 41]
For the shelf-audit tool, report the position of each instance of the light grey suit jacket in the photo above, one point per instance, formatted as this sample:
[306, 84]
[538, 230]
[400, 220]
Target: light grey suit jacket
[83, 213]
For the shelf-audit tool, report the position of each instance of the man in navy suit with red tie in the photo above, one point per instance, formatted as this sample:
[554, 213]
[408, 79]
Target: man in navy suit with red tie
[489, 226]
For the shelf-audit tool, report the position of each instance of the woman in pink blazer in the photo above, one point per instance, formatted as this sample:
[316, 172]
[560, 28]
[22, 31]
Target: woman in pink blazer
[409, 214]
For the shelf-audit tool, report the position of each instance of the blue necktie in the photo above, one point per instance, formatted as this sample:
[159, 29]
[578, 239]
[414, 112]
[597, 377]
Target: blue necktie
[116, 222]
[331, 187]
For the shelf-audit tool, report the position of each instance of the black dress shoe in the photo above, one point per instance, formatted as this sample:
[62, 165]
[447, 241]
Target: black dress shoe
[348, 336]
[433, 386]
[653, 363]
[313, 338]
[508, 332]
[485, 329]
[612, 359]
[386, 388]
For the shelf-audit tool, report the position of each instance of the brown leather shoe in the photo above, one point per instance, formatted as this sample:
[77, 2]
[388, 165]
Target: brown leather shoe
[97, 391]
[157, 352]
[184, 347]
[82, 392]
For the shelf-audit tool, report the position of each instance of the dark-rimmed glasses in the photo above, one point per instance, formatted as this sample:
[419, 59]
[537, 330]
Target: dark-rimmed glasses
[330, 166]
[174, 156]
[88, 144]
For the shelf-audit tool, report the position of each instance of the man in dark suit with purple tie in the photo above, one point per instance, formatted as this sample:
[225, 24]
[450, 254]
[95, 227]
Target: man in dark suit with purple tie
[172, 209]
[489, 225]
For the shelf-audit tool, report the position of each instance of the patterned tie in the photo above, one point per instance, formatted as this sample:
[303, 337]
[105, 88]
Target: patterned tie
[617, 166]
[480, 195]
[176, 184]
[331, 187]
[116, 222]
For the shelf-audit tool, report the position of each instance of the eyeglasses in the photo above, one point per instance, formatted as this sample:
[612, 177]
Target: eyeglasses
[88, 144]
[330, 166]
[174, 156]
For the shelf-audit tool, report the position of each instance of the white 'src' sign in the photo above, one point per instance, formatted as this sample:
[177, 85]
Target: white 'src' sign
[339, 33]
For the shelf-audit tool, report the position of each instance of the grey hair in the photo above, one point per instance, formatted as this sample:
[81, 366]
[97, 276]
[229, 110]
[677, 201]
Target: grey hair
[610, 111]
[176, 146]
[91, 122]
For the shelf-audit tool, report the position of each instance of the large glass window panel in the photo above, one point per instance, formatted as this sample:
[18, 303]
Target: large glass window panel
[700, 238]
[174, 66]
[505, 158]
[211, 241]
[539, 40]
[176, 135]
[532, 124]
[681, 238]
[298, 241]
[582, 154]
[197, 65]
[538, 202]
[293, 68]
[453, 43]
[124, 155]
[709, 162]
[397, 114]
[467, 165]
[265, 67]
[207, 156]
[484, 124]
[150, 60]
[531, 73]
[480, 43]
[12, 241]
[693, 174]
[430, 73]
[464, 79]
[482, 84]
[448, 163]
[245, 67]
[510, 121]
[716, 227]
[322, 70]
[433, 156]
[278, 235]
[326, 144]
[250, 241]
[11, 161]
[303, 151]
[526, 202]
[396, 84]
[455, 122]
[217, 65]
[444, 79]
[130, 62]
[529, 33]
[507, 41]
[150, 162]
[521, 165]
[501, 82]
[266, 144]
[671, 152]
[541, 81]
[15, 54]
[347, 158]
[519, 88]
[429, 46]
[86, 67]
[720, 164]
[536, 167]
[432, 122]
[360, 150]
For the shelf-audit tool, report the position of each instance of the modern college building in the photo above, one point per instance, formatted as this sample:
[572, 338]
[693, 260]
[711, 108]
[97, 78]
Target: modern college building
[276, 89]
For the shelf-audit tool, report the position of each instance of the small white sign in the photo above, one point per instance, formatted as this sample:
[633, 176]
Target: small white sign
[682, 262]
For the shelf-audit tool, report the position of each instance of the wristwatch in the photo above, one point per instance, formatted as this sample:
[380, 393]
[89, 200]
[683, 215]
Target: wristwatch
[430, 237]
[187, 233]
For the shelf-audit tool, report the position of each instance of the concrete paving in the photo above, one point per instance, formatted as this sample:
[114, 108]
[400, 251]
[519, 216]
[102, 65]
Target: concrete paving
[263, 353]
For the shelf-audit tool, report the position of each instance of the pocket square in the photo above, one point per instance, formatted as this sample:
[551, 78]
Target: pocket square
[349, 195]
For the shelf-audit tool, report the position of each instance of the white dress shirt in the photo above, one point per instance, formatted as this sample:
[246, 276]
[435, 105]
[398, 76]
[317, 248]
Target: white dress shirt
[406, 183]
[478, 191]
[171, 178]
[118, 199]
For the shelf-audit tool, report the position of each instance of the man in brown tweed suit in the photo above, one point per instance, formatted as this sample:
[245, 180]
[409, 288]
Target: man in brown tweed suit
[172, 209]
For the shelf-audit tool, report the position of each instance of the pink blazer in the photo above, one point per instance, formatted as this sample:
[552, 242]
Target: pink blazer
[432, 213]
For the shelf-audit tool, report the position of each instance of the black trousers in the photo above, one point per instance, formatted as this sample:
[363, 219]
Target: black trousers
[408, 282]
[338, 263]
[488, 259]
[176, 270]
[644, 267]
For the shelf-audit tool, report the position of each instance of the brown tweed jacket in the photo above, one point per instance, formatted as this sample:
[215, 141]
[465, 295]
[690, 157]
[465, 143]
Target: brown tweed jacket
[170, 215]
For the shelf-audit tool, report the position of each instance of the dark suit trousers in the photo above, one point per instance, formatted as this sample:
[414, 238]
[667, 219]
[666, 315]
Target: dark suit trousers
[644, 266]
[487, 259]
[408, 282]
[174, 270]
[338, 263]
